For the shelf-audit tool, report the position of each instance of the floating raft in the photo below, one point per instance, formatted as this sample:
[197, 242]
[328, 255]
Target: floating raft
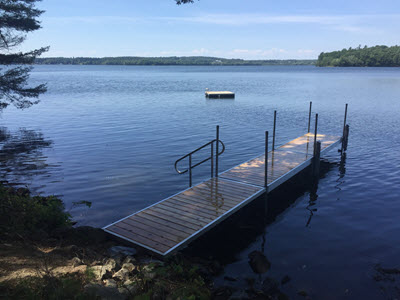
[220, 94]
[172, 223]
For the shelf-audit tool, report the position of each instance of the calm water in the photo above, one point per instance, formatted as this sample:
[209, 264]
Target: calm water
[111, 134]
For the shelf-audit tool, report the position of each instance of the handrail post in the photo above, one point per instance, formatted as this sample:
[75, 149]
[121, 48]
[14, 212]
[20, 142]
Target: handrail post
[212, 159]
[273, 136]
[190, 170]
[309, 117]
[346, 137]
[315, 133]
[344, 143]
[217, 154]
[266, 162]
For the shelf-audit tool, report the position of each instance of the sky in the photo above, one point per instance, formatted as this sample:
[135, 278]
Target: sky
[247, 29]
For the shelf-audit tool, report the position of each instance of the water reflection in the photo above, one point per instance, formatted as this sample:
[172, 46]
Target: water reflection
[246, 230]
[21, 155]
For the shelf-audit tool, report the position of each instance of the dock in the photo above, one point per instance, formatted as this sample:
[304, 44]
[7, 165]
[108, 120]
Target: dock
[219, 94]
[172, 223]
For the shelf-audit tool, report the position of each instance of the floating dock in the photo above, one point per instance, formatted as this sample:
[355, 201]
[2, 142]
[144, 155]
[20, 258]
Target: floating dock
[172, 223]
[220, 94]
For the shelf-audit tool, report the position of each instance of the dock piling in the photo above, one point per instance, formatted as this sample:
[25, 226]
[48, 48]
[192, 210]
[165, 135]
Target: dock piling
[266, 162]
[273, 134]
[217, 153]
[316, 160]
[190, 170]
[309, 117]
[315, 132]
[212, 160]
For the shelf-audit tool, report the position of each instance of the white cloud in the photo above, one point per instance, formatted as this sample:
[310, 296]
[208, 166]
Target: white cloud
[347, 23]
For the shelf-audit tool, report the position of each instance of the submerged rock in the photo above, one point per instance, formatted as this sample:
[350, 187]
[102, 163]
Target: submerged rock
[258, 262]
[222, 293]
[270, 286]
[121, 251]
[285, 279]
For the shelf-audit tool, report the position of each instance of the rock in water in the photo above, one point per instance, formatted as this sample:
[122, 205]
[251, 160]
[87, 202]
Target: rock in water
[258, 262]
[121, 251]
[270, 286]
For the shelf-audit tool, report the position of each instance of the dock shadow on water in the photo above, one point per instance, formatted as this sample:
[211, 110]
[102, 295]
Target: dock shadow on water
[232, 241]
[21, 155]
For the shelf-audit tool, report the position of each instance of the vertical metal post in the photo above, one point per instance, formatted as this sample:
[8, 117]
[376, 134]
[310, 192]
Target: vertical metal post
[309, 117]
[344, 129]
[190, 170]
[273, 136]
[345, 118]
[266, 161]
[346, 137]
[212, 159]
[315, 133]
[316, 160]
[217, 154]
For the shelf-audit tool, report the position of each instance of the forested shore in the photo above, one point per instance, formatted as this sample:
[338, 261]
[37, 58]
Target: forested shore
[377, 56]
[159, 61]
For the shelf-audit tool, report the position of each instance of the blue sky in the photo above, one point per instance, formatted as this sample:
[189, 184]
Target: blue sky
[252, 29]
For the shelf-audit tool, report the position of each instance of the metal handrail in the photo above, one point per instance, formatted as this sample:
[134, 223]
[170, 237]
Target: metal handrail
[194, 151]
[211, 157]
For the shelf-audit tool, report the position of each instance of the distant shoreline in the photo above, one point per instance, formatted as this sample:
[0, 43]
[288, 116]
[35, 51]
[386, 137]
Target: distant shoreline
[169, 61]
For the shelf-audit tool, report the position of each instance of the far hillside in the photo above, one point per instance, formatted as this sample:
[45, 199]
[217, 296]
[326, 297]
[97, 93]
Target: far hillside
[169, 61]
[378, 56]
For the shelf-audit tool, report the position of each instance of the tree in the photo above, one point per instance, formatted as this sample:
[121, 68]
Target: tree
[17, 19]
[179, 2]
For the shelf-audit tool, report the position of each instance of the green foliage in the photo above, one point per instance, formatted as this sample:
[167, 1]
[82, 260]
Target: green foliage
[68, 287]
[17, 18]
[23, 215]
[378, 56]
[170, 61]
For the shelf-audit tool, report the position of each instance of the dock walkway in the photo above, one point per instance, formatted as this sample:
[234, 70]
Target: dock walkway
[170, 224]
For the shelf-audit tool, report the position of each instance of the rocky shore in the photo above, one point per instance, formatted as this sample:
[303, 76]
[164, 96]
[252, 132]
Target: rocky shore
[43, 256]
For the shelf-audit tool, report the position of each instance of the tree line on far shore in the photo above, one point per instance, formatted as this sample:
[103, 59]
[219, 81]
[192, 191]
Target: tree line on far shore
[174, 60]
[377, 56]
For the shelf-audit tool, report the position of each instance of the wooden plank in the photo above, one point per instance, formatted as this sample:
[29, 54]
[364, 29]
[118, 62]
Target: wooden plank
[165, 223]
[220, 195]
[204, 208]
[147, 235]
[194, 198]
[194, 222]
[238, 188]
[167, 217]
[233, 188]
[153, 230]
[186, 212]
[135, 237]
[161, 227]
[192, 205]
[215, 194]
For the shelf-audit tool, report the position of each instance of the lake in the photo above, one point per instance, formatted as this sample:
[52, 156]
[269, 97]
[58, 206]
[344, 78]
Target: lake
[111, 134]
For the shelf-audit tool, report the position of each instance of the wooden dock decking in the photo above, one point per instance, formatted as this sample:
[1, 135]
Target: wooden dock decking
[170, 224]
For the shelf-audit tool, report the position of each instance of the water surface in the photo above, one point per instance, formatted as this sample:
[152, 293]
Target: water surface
[111, 134]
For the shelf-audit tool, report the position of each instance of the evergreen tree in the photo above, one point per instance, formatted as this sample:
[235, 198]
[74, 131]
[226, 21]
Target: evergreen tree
[18, 18]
